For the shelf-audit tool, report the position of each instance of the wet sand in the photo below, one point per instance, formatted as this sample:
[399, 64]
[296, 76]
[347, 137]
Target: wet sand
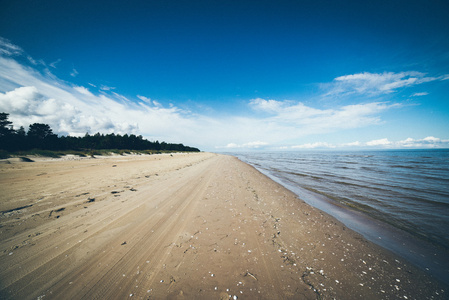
[187, 226]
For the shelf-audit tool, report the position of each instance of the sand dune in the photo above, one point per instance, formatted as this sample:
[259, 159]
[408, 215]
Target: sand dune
[187, 226]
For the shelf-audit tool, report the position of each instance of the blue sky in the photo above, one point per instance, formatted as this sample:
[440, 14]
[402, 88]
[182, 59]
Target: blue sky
[232, 75]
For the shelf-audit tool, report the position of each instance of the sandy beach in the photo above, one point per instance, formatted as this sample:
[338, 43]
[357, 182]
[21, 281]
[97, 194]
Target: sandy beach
[181, 226]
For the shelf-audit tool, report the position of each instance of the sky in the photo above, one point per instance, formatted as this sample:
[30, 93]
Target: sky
[231, 75]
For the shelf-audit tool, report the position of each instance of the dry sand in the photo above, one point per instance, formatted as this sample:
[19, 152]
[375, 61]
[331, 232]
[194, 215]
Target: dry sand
[187, 226]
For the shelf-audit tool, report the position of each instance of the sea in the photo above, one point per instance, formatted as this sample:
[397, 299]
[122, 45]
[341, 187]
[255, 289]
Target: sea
[398, 199]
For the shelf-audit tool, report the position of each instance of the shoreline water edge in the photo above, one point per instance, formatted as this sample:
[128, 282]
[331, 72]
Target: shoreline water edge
[181, 226]
[424, 253]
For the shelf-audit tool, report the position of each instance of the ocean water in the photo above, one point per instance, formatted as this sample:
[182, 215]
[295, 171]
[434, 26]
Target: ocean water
[396, 198]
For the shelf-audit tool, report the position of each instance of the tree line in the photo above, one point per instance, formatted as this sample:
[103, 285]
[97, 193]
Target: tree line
[41, 136]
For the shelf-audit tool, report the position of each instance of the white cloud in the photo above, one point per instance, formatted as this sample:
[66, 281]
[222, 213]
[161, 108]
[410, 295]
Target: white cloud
[145, 99]
[380, 142]
[409, 143]
[378, 83]
[420, 94]
[53, 64]
[286, 109]
[26, 105]
[272, 106]
[83, 90]
[296, 119]
[250, 145]
[9, 49]
[150, 101]
[231, 146]
[34, 62]
[314, 145]
[74, 73]
[427, 142]
[121, 97]
[106, 88]
[18, 100]
[256, 144]
[432, 139]
[352, 144]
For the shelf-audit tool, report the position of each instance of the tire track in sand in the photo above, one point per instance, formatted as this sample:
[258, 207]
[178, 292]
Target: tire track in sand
[148, 241]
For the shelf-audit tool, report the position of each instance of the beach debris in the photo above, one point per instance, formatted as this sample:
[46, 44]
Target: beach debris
[251, 275]
[82, 194]
[16, 209]
[90, 200]
[124, 243]
[58, 210]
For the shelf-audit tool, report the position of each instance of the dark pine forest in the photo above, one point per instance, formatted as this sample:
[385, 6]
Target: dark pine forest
[41, 136]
